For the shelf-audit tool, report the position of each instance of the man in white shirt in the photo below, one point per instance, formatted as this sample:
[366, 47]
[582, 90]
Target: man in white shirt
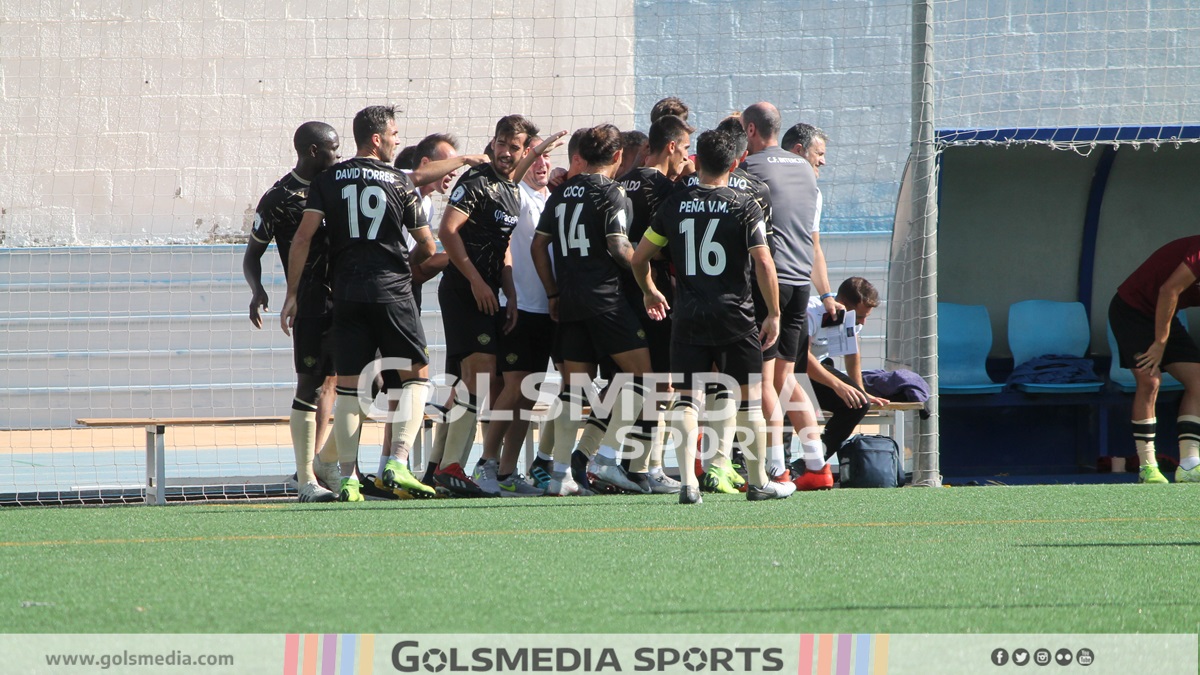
[839, 392]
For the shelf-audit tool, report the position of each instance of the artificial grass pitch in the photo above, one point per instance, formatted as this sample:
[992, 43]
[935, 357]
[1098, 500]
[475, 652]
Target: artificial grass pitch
[1044, 559]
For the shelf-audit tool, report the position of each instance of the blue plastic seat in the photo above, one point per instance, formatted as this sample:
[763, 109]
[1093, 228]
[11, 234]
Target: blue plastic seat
[1123, 377]
[1041, 327]
[964, 340]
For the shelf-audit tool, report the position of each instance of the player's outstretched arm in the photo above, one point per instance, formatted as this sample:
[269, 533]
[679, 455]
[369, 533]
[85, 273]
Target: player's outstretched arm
[540, 149]
[252, 270]
[653, 299]
[768, 285]
[296, 259]
[437, 170]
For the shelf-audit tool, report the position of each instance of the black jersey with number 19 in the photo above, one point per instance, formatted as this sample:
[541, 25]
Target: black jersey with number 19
[367, 204]
[709, 232]
[579, 218]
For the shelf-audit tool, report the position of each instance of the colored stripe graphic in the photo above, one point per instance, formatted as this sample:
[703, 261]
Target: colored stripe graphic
[309, 667]
[366, 655]
[349, 644]
[825, 654]
[844, 644]
[862, 655]
[291, 653]
[881, 654]
[329, 654]
[806, 654]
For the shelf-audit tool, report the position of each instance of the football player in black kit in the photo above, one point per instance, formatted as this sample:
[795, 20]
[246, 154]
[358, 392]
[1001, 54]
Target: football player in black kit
[483, 210]
[715, 235]
[587, 220]
[366, 203]
[278, 217]
[647, 186]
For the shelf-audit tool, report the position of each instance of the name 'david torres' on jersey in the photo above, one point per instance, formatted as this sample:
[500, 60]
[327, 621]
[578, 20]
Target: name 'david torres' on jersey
[354, 173]
[701, 206]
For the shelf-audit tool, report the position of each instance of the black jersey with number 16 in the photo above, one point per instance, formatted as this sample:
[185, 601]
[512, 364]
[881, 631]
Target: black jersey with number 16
[709, 232]
[367, 204]
[580, 217]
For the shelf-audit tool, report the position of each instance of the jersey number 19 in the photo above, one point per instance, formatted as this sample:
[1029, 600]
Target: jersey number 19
[372, 204]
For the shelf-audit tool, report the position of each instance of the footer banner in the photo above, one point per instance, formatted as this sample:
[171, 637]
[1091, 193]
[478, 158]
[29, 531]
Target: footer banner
[802, 654]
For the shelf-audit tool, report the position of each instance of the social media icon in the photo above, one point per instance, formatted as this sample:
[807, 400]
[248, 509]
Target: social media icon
[1042, 657]
[1021, 657]
[1000, 657]
[1063, 657]
[1084, 657]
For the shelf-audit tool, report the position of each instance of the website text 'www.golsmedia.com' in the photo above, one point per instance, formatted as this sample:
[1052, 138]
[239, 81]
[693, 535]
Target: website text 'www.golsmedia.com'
[106, 661]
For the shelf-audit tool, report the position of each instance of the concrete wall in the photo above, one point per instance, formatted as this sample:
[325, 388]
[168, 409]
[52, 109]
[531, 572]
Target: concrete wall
[164, 122]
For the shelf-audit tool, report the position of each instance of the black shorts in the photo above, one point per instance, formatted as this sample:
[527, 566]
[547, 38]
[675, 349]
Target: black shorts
[312, 345]
[468, 330]
[1134, 332]
[792, 344]
[363, 329]
[529, 346]
[741, 360]
[590, 340]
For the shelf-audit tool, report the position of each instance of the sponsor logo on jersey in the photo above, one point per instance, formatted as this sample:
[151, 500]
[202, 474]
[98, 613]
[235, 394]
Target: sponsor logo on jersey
[502, 217]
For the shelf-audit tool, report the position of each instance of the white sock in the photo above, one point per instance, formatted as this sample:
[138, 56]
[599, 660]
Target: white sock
[607, 452]
[814, 454]
[561, 469]
[383, 460]
[775, 464]
[543, 456]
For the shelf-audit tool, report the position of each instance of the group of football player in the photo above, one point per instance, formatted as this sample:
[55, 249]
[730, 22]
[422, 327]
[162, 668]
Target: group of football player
[664, 276]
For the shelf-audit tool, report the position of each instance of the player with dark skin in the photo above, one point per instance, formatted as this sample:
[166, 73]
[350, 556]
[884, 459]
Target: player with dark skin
[277, 218]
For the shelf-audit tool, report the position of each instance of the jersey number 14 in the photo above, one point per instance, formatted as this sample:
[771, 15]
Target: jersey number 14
[372, 204]
[572, 238]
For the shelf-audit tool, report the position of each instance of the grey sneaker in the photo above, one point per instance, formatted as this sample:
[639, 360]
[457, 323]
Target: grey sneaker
[771, 490]
[662, 484]
[610, 472]
[311, 492]
[485, 477]
[329, 474]
[517, 486]
[690, 495]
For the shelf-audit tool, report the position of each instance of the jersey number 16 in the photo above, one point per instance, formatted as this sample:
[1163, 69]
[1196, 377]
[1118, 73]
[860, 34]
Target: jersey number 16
[711, 253]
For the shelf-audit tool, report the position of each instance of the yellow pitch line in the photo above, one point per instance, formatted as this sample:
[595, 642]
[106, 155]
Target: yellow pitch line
[581, 530]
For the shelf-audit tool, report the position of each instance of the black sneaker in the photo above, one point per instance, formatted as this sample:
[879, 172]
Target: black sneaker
[457, 483]
[579, 470]
[642, 480]
[690, 494]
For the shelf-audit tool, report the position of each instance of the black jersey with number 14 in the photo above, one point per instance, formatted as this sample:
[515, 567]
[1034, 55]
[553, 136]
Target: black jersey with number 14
[580, 217]
[709, 232]
[367, 205]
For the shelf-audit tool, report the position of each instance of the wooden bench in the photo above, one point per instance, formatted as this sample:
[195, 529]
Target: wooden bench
[155, 488]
